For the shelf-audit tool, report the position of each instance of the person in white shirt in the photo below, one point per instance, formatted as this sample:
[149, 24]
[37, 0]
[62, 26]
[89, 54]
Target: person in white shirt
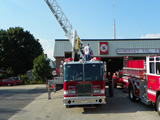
[87, 52]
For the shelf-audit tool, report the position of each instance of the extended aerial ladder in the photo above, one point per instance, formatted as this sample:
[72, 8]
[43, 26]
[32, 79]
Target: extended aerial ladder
[69, 31]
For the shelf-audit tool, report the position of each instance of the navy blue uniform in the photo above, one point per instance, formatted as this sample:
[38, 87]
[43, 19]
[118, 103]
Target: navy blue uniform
[110, 86]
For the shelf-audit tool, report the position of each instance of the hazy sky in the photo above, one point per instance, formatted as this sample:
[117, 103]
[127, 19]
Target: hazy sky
[93, 19]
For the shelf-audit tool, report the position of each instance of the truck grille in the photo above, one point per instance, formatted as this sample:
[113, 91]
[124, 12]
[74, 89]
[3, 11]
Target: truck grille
[84, 89]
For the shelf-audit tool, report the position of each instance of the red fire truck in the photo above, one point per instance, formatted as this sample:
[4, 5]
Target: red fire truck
[118, 79]
[83, 83]
[142, 78]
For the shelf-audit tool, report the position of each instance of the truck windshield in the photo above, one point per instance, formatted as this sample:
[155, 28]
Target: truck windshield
[93, 72]
[73, 72]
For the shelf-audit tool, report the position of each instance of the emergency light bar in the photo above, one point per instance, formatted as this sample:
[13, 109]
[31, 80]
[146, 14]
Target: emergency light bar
[68, 59]
[96, 59]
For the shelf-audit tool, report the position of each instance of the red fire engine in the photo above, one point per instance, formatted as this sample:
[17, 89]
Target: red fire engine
[83, 83]
[142, 78]
[118, 79]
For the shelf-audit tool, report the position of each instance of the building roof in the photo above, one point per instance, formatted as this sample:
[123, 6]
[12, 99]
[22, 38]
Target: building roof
[63, 45]
[143, 39]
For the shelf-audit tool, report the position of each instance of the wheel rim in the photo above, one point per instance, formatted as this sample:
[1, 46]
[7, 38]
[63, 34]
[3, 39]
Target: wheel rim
[9, 85]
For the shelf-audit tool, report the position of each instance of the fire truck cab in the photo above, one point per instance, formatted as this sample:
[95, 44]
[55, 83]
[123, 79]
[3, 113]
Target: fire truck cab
[144, 81]
[83, 83]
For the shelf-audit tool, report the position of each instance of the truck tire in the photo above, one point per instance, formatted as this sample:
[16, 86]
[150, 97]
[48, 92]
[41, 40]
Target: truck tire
[158, 105]
[155, 107]
[132, 97]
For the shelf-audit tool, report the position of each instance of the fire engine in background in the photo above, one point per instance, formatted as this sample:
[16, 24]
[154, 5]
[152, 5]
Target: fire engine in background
[121, 80]
[118, 79]
[83, 81]
[142, 78]
[133, 69]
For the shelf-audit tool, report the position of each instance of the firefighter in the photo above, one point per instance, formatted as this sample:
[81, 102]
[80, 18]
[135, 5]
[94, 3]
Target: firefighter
[110, 84]
[87, 52]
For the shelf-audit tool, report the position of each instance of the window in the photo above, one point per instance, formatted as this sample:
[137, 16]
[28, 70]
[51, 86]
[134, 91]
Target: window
[158, 68]
[93, 72]
[158, 59]
[151, 66]
[73, 72]
[151, 59]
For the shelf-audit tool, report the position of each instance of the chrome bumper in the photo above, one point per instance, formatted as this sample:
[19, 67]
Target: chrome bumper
[87, 100]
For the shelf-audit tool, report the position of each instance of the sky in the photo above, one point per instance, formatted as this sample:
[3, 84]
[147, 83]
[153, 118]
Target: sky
[93, 19]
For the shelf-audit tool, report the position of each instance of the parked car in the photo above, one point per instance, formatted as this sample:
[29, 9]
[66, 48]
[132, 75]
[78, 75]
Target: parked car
[16, 79]
[7, 82]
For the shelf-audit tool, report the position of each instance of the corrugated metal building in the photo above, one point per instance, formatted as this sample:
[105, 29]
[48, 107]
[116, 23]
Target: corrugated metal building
[110, 50]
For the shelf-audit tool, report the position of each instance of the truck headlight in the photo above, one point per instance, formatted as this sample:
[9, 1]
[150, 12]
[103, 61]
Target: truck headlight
[96, 89]
[71, 89]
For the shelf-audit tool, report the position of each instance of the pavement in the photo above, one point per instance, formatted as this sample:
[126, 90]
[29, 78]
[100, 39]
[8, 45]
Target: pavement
[117, 108]
[14, 98]
[42, 108]
[24, 87]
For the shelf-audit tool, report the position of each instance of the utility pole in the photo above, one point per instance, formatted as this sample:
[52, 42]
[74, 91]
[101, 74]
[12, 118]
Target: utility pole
[114, 23]
[114, 29]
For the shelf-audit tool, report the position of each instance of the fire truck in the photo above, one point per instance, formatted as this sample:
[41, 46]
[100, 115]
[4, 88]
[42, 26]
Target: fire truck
[118, 79]
[142, 78]
[83, 80]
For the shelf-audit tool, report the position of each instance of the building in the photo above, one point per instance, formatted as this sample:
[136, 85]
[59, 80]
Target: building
[113, 51]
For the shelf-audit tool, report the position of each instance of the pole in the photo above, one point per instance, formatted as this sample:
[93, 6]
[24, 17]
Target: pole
[114, 29]
[49, 91]
[114, 23]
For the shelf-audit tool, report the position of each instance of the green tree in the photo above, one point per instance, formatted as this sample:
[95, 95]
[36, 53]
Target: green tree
[10, 72]
[18, 49]
[3, 42]
[41, 69]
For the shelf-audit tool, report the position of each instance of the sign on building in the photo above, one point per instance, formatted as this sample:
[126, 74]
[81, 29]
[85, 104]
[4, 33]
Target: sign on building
[138, 50]
[103, 47]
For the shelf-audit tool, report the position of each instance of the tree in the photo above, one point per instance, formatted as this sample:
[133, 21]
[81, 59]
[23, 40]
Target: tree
[41, 69]
[10, 72]
[18, 49]
[3, 42]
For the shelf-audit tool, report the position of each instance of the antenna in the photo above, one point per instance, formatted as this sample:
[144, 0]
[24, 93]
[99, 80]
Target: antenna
[114, 19]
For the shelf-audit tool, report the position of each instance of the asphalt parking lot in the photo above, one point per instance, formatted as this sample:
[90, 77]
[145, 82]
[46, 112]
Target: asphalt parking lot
[117, 108]
[14, 98]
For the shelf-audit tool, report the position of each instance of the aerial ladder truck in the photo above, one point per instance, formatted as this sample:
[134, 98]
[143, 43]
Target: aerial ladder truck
[83, 80]
[69, 31]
